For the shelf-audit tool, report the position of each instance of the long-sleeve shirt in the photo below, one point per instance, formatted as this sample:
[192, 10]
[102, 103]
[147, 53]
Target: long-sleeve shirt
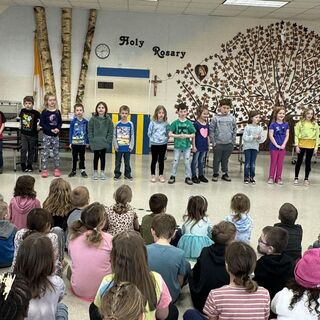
[100, 132]
[306, 134]
[158, 132]
[249, 137]
[123, 136]
[223, 129]
[50, 120]
[78, 132]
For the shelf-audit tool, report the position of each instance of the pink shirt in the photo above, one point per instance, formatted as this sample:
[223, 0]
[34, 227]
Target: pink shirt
[89, 265]
[235, 303]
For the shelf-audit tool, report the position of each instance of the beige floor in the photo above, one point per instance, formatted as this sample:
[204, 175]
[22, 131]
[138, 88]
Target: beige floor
[265, 199]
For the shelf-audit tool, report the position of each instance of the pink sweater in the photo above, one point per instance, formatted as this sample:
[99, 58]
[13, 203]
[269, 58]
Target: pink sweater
[19, 208]
[89, 265]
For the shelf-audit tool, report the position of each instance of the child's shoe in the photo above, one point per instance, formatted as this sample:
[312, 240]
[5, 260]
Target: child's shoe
[116, 178]
[72, 174]
[1, 171]
[162, 179]
[172, 180]
[195, 179]
[280, 182]
[153, 179]
[246, 181]
[306, 183]
[23, 167]
[203, 179]
[44, 173]
[252, 181]
[57, 173]
[215, 177]
[188, 181]
[128, 178]
[296, 182]
[103, 175]
[84, 174]
[29, 168]
[225, 177]
[95, 175]
[270, 181]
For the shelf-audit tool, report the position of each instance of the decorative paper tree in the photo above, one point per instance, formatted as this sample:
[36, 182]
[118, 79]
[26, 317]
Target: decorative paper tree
[258, 69]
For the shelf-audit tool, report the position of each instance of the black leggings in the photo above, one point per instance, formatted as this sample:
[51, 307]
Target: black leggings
[309, 154]
[158, 153]
[99, 154]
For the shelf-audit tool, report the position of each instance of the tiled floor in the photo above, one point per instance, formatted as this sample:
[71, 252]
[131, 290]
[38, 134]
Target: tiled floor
[265, 199]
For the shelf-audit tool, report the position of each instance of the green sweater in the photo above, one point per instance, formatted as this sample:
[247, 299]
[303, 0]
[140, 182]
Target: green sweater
[100, 132]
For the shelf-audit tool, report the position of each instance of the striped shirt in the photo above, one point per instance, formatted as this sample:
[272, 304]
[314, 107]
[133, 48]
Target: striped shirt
[234, 303]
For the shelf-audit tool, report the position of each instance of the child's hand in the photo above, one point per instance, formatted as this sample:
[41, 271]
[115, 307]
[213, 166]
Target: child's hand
[70, 146]
[315, 151]
[258, 137]
[194, 149]
[87, 146]
[297, 149]
[283, 146]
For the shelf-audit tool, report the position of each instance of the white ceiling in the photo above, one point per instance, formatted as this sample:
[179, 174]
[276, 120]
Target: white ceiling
[296, 9]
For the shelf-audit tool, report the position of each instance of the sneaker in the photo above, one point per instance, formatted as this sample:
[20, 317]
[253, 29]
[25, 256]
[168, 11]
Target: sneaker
[57, 173]
[203, 179]
[172, 180]
[128, 178]
[246, 181]
[23, 168]
[252, 181]
[102, 175]
[44, 173]
[270, 181]
[29, 168]
[280, 182]
[84, 174]
[162, 179]
[195, 179]
[95, 175]
[295, 181]
[306, 183]
[72, 174]
[153, 179]
[116, 178]
[188, 181]
[225, 177]
[215, 177]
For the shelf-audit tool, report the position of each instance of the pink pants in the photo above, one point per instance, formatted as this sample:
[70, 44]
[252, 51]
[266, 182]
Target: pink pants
[276, 164]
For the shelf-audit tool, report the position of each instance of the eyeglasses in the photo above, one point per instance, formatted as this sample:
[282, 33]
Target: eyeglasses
[261, 241]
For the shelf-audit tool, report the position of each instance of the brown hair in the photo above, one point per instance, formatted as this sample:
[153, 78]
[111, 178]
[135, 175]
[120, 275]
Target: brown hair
[79, 196]
[58, 201]
[252, 114]
[78, 105]
[124, 108]
[158, 202]
[28, 99]
[196, 209]
[25, 187]
[224, 232]
[181, 106]
[93, 218]
[122, 196]
[164, 226]
[304, 114]
[240, 203]
[3, 210]
[105, 107]
[35, 261]
[156, 111]
[240, 262]
[288, 213]
[225, 102]
[276, 237]
[38, 220]
[276, 110]
[129, 263]
[200, 109]
[124, 301]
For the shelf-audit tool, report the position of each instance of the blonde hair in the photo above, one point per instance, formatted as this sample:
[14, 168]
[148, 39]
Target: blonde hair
[304, 114]
[124, 301]
[58, 202]
[122, 196]
[46, 98]
[3, 209]
[156, 111]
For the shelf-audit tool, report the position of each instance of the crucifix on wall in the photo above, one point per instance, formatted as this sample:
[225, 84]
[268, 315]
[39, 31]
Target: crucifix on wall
[155, 82]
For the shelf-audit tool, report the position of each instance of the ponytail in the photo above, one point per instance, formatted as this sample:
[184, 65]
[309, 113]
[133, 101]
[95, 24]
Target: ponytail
[94, 237]
[246, 282]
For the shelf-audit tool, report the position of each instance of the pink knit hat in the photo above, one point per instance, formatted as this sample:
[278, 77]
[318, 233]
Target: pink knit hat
[307, 271]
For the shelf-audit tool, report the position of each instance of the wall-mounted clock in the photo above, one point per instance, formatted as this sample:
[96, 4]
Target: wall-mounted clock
[102, 51]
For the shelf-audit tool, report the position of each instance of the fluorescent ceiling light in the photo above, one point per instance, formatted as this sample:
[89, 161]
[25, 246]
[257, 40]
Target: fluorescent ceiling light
[256, 3]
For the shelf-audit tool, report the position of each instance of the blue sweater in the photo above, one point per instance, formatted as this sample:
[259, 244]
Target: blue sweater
[158, 132]
[78, 133]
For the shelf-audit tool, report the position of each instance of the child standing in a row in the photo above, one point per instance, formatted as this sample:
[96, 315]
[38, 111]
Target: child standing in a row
[2, 122]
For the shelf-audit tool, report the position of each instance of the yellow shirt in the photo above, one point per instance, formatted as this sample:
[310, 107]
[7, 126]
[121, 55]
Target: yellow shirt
[306, 134]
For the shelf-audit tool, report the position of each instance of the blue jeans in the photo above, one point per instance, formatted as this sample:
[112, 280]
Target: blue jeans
[197, 161]
[186, 156]
[127, 168]
[62, 312]
[250, 156]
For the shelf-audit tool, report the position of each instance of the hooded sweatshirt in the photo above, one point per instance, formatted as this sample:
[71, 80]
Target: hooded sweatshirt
[100, 132]
[273, 272]
[243, 226]
[7, 234]
[19, 209]
[208, 273]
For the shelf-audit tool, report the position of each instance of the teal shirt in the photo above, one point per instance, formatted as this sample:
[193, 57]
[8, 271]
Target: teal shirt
[179, 127]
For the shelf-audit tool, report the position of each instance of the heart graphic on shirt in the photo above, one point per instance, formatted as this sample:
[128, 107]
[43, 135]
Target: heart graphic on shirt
[204, 132]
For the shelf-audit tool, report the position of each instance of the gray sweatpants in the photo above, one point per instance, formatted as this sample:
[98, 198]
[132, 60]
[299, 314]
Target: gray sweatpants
[221, 153]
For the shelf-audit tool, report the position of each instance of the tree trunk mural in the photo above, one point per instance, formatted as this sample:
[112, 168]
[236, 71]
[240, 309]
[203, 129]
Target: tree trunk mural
[44, 48]
[66, 29]
[86, 55]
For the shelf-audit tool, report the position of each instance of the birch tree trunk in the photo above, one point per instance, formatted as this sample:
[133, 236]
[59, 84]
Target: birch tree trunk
[44, 48]
[66, 30]
[86, 55]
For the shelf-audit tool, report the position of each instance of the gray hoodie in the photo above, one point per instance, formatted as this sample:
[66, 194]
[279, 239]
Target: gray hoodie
[223, 129]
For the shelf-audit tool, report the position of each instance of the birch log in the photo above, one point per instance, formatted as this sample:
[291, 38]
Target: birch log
[44, 48]
[66, 30]
[86, 55]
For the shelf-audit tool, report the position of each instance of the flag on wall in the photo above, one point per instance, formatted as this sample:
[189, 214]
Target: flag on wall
[38, 84]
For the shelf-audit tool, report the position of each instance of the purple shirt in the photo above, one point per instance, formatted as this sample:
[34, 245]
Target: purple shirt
[201, 136]
[279, 133]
